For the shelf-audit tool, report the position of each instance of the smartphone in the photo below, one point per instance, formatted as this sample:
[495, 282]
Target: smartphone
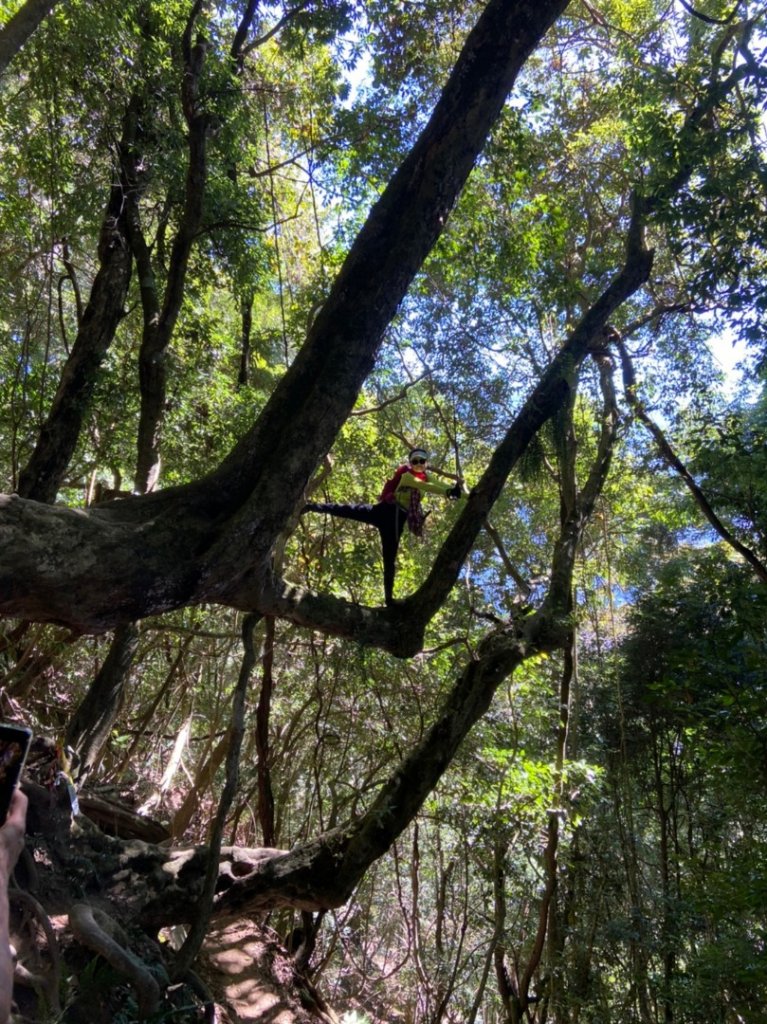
[14, 744]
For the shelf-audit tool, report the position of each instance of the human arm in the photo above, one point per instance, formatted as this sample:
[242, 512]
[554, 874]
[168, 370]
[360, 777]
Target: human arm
[11, 844]
[410, 482]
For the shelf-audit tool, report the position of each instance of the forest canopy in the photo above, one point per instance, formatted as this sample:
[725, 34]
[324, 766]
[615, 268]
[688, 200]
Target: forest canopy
[252, 254]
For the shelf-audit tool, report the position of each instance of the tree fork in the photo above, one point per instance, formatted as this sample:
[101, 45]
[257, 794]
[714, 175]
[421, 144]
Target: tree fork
[212, 540]
[323, 873]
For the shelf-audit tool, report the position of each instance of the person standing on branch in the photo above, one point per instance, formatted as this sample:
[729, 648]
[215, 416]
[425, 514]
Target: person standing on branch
[398, 504]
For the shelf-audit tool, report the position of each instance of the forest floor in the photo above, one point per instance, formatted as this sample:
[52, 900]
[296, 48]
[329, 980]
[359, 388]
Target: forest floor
[256, 979]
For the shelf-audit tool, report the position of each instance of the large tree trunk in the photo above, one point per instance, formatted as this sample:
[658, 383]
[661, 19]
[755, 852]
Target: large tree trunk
[92, 722]
[43, 475]
[158, 887]
[137, 556]
[160, 316]
[212, 540]
[153, 887]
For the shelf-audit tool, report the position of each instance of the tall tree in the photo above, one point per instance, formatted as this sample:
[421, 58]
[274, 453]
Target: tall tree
[475, 308]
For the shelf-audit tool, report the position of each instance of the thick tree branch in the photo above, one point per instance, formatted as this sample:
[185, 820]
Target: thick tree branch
[323, 873]
[121, 556]
[401, 629]
[242, 32]
[212, 540]
[558, 601]
[96, 930]
[163, 887]
[270, 466]
[20, 27]
[113, 554]
[43, 475]
[159, 323]
[544, 401]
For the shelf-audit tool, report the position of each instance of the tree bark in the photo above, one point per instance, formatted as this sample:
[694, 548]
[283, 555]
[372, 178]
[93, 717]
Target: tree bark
[20, 27]
[160, 318]
[41, 478]
[212, 540]
[92, 722]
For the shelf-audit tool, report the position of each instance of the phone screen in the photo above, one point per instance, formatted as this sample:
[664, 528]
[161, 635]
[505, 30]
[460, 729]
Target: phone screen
[14, 744]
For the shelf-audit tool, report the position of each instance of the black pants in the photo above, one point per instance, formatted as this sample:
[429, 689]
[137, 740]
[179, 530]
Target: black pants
[389, 519]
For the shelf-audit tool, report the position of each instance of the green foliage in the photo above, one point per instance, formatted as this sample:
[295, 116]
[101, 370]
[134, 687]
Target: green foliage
[704, 624]
[657, 801]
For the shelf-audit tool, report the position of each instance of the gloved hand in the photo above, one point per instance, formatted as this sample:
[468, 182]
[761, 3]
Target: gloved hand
[454, 492]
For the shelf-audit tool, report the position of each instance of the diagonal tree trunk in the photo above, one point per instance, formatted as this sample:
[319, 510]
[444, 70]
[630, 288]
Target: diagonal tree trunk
[91, 724]
[214, 537]
[20, 27]
[41, 478]
[59, 435]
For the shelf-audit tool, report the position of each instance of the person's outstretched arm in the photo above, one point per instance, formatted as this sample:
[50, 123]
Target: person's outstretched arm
[11, 844]
[410, 482]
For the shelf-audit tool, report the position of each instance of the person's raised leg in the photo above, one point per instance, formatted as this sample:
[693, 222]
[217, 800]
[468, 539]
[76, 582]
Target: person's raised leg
[359, 513]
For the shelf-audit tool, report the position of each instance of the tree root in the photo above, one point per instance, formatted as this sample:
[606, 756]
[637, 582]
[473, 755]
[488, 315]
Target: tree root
[47, 984]
[96, 930]
[200, 989]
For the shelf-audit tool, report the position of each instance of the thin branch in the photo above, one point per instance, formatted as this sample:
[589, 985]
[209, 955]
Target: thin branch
[707, 17]
[369, 409]
[673, 460]
[284, 20]
[511, 569]
[194, 940]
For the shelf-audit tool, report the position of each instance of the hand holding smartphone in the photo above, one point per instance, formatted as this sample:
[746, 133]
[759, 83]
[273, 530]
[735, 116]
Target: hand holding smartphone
[14, 744]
